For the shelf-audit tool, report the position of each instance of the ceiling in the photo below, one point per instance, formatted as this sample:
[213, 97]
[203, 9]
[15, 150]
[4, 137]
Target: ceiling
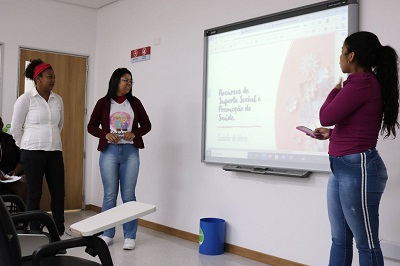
[95, 4]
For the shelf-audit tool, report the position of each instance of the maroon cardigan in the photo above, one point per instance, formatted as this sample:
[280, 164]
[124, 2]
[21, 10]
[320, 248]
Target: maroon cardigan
[101, 116]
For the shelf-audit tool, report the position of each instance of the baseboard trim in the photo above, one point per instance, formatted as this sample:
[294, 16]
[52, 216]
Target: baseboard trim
[243, 252]
[391, 249]
[91, 207]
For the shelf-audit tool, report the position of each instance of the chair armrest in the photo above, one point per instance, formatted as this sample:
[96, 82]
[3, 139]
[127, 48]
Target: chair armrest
[16, 200]
[19, 203]
[95, 246]
[40, 216]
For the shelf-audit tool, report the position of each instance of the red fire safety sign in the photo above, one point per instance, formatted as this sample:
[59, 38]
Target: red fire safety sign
[140, 54]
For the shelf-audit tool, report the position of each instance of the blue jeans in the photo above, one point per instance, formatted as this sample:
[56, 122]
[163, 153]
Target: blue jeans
[119, 164]
[355, 189]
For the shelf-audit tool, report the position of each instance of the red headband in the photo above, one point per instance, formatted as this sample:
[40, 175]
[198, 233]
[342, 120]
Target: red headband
[40, 68]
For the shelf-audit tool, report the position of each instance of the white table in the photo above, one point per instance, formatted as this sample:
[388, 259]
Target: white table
[118, 215]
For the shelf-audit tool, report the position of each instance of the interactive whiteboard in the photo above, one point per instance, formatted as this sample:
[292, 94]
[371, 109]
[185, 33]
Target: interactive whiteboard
[265, 76]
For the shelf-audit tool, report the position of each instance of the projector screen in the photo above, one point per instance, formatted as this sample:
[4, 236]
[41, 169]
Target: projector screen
[265, 76]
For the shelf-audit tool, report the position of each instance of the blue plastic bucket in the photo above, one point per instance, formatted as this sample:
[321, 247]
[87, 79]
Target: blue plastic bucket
[212, 236]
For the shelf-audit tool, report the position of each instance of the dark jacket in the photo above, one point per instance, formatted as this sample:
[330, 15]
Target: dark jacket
[101, 116]
[10, 153]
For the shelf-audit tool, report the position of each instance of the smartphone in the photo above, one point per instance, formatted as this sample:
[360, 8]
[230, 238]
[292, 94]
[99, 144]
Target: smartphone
[308, 131]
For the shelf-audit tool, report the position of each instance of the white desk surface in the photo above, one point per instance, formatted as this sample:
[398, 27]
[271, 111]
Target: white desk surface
[118, 215]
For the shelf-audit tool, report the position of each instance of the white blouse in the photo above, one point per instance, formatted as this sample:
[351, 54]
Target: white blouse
[36, 124]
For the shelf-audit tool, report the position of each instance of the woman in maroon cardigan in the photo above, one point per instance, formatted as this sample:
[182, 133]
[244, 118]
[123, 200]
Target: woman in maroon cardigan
[123, 122]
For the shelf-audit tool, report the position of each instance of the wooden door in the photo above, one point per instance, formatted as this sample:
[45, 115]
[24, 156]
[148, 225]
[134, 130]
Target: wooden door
[71, 72]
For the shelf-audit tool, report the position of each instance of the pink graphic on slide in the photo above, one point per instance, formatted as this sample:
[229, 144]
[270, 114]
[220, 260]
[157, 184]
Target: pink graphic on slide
[306, 80]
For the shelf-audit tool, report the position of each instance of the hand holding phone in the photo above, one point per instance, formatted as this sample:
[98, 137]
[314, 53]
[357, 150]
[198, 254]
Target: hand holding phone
[309, 132]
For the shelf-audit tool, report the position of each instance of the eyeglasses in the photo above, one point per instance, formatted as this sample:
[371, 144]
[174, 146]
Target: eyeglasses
[130, 81]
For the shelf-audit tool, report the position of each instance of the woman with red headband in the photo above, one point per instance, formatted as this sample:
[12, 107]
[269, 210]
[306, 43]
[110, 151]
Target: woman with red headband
[36, 124]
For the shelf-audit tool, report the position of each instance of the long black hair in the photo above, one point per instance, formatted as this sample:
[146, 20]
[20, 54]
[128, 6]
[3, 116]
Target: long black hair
[114, 82]
[383, 62]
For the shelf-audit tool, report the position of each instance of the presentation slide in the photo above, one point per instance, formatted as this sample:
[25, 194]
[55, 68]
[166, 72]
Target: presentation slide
[263, 81]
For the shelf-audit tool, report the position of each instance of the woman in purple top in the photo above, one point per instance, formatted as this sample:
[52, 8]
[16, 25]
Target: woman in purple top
[365, 105]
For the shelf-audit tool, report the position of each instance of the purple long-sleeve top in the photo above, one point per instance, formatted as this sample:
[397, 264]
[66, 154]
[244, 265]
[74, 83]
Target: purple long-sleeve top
[356, 111]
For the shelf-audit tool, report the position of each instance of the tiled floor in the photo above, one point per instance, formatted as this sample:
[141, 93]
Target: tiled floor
[157, 249]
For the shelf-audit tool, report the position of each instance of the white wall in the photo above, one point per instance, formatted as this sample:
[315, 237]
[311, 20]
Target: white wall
[45, 25]
[284, 217]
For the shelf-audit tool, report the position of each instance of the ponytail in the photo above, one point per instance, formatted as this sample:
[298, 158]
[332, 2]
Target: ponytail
[386, 71]
[382, 60]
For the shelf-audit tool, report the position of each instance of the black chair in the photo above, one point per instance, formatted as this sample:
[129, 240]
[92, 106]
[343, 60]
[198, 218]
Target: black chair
[15, 204]
[46, 255]
[30, 239]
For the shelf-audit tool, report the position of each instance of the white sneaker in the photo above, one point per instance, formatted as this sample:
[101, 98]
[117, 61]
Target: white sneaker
[65, 236]
[107, 239]
[129, 244]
